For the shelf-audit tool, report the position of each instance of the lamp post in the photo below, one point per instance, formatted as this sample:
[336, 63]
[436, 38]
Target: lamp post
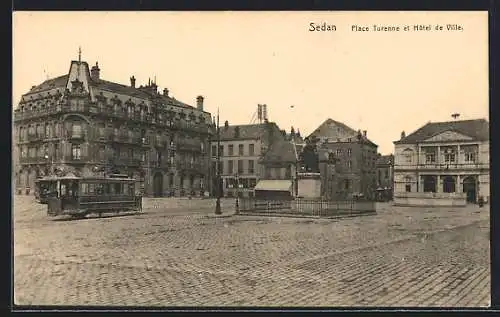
[51, 162]
[237, 178]
[218, 177]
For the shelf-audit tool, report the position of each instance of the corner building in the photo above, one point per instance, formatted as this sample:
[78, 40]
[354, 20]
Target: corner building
[356, 156]
[83, 125]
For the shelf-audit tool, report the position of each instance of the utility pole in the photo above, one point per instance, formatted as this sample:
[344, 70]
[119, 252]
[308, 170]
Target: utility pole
[217, 203]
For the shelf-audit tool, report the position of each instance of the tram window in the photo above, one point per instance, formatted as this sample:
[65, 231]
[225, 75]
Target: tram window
[84, 188]
[118, 188]
[107, 189]
[99, 189]
[91, 188]
[63, 189]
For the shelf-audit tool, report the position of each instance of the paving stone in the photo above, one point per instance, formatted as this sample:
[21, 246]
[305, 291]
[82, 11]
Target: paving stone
[177, 254]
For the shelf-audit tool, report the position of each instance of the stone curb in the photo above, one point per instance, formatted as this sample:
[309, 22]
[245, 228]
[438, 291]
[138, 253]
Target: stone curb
[288, 215]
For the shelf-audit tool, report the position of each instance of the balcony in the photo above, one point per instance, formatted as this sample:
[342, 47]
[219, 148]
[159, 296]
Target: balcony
[128, 162]
[196, 166]
[76, 135]
[189, 146]
[195, 127]
[18, 116]
[118, 113]
[76, 160]
[34, 137]
[35, 160]
[443, 166]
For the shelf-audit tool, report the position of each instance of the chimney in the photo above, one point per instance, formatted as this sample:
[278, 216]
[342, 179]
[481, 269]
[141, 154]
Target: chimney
[95, 72]
[132, 82]
[199, 102]
[403, 135]
[165, 92]
[364, 133]
[226, 124]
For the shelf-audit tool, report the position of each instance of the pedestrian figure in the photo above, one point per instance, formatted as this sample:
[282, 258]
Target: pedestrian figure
[481, 201]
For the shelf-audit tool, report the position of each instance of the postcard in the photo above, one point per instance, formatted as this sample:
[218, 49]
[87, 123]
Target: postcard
[251, 159]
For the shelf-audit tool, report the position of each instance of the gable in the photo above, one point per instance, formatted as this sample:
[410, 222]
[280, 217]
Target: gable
[333, 130]
[80, 71]
[449, 136]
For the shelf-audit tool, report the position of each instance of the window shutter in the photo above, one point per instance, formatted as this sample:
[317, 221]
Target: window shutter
[67, 149]
[84, 150]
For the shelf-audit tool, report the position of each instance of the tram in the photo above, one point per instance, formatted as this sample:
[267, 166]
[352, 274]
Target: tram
[80, 196]
[44, 187]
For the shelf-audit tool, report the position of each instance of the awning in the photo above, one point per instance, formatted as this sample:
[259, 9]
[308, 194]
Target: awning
[274, 185]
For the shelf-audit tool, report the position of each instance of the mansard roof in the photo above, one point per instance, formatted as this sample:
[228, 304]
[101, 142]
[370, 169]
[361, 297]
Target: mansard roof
[53, 83]
[138, 92]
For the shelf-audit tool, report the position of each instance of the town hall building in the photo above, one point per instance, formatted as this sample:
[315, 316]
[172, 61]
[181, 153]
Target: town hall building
[443, 159]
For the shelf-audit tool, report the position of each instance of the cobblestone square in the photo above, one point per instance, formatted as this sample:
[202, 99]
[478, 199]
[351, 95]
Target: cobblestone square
[178, 253]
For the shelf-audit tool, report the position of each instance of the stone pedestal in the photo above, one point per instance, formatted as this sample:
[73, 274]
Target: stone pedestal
[309, 185]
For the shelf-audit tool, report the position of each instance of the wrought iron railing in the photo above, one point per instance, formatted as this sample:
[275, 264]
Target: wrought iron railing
[320, 208]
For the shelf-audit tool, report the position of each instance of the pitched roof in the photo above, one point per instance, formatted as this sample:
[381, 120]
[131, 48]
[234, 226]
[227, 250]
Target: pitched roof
[248, 131]
[478, 129]
[325, 125]
[324, 130]
[385, 159]
[281, 151]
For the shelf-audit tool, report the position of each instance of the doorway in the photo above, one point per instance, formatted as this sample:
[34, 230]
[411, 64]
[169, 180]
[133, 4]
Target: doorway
[158, 185]
[470, 189]
[430, 184]
[449, 184]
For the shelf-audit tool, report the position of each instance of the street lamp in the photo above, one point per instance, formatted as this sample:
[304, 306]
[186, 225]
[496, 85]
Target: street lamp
[218, 177]
[237, 178]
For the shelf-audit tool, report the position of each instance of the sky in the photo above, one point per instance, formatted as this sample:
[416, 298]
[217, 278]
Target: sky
[384, 82]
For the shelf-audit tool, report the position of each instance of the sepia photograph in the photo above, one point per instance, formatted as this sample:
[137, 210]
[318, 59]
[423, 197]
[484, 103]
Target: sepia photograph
[250, 159]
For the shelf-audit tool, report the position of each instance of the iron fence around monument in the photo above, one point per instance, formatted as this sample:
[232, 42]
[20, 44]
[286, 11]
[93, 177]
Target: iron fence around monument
[306, 207]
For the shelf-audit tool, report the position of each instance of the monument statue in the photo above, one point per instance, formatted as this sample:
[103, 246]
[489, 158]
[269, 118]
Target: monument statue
[309, 158]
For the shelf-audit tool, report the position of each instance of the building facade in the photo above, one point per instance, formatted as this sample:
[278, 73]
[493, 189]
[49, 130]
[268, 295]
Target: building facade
[444, 157]
[81, 124]
[385, 176]
[355, 156]
[241, 149]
